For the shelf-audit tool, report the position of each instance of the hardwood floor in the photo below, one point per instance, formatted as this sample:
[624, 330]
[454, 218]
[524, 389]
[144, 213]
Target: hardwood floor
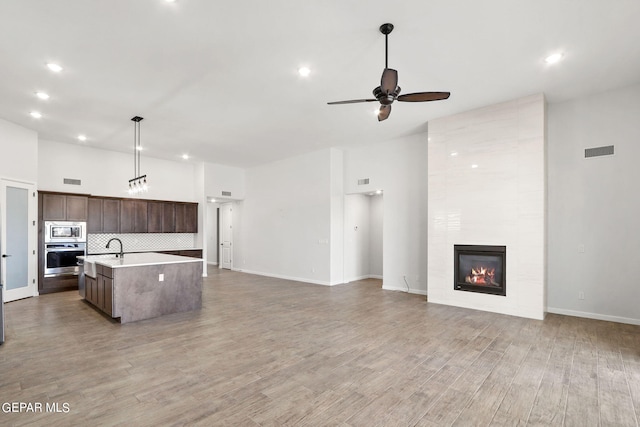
[265, 351]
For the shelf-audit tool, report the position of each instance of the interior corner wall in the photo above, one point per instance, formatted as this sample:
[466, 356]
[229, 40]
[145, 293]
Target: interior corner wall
[106, 173]
[594, 207]
[336, 195]
[487, 186]
[284, 224]
[18, 152]
[398, 168]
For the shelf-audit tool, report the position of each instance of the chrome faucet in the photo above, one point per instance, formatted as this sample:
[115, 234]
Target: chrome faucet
[119, 241]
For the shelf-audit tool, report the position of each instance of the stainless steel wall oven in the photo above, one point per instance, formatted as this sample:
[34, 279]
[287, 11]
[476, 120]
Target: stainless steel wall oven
[64, 241]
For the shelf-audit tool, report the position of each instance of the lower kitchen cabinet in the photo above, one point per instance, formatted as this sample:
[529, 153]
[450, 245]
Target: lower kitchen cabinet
[99, 290]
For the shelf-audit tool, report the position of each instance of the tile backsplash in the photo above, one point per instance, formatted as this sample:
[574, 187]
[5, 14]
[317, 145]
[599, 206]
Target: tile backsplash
[139, 242]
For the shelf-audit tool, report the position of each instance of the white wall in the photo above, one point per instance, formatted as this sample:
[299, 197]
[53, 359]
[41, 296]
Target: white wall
[399, 168]
[336, 216]
[283, 226]
[219, 178]
[500, 202]
[18, 152]
[594, 202]
[106, 173]
[356, 237]
[376, 246]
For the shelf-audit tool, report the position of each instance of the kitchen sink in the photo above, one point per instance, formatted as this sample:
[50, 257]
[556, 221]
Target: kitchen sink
[90, 268]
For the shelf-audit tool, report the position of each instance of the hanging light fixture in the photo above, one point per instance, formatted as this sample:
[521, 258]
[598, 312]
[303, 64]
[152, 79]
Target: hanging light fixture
[138, 184]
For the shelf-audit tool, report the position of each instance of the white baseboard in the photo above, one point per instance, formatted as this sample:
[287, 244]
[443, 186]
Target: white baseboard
[280, 276]
[595, 316]
[212, 263]
[410, 291]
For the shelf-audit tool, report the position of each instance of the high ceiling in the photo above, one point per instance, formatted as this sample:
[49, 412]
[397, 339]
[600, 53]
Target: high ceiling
[218, 79]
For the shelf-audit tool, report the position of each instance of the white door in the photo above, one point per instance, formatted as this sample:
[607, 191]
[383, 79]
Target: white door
[18, 239]
[226, 236]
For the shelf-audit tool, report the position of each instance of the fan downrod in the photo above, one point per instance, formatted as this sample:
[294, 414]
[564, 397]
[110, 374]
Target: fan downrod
[386, 28]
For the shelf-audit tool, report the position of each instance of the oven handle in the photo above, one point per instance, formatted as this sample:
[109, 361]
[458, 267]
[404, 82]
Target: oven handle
[64, 250]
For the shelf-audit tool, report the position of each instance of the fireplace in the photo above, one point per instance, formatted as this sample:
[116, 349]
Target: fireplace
[479, 268]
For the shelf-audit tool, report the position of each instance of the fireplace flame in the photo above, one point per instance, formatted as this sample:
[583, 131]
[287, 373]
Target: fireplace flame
[481, 275]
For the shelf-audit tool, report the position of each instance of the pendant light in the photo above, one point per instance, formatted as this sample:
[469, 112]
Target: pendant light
[138, 184]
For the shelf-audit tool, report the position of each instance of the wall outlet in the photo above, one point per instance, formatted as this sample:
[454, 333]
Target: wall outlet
[581, 249]
[161, 277]
[580, 295]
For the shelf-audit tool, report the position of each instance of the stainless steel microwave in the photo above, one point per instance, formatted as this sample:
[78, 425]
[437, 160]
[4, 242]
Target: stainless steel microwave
[65, 231]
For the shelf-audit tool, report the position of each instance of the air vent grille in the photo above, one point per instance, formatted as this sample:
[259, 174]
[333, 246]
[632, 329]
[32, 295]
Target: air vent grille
[226, 193]
[363, 181]
[72, 181]
[598, 151]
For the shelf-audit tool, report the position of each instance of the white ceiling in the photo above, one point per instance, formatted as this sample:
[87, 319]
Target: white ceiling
[218, 79]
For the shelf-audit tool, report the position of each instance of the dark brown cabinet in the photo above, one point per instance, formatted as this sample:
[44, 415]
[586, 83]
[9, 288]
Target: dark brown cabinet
[95, 216]
[186, 217]
[154, 217]
[110, 216]
[168, 217]
[63, 207]
[99, 290]
[103, 215]
[133, 216]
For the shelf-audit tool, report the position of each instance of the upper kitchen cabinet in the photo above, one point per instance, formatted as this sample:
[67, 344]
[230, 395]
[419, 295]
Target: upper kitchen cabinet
[186, 217]
[133, 216]
[168, 217]
[64, 207]
[154, 217]
[104, 215]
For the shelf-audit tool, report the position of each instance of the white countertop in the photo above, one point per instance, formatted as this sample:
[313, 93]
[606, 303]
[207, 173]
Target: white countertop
[137, 259]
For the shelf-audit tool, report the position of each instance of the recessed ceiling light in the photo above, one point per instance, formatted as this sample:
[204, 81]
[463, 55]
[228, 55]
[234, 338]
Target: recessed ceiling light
[304, 71]
[54, 67]
[82, 138]
[170, 1]
[42, 95]
[378, 191]
[552, 59]
[185, 156]
[454, 153]
[139, 148]
[35, 114]
[474, 166]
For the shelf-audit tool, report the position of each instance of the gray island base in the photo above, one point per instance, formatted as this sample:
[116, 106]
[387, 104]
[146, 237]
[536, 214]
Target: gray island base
[143, 286]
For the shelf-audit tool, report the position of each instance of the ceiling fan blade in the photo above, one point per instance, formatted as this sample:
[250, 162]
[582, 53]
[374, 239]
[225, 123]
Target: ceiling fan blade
[352, 101]
[424, 96]
[383, 112]
[389, 80]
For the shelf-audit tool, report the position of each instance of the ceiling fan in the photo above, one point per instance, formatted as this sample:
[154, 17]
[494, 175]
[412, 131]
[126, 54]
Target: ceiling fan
[389, 91]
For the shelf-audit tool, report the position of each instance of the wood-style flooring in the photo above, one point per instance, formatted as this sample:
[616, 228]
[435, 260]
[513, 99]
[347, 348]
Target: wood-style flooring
[271, 352]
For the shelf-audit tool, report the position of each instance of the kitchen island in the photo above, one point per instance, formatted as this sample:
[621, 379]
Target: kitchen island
[142, 285]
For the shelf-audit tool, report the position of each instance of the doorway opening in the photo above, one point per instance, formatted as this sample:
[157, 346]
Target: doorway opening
[363, 243]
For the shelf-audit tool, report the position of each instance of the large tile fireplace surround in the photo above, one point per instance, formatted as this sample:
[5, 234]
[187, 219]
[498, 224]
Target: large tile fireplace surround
[486, 186]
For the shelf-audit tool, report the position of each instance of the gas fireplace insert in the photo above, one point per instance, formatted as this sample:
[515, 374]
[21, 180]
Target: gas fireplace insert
[480, 268]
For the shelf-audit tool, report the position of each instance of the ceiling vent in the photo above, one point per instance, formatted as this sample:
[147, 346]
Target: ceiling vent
[70, 181]
[363, 181]
[226, 193]
[598, 151]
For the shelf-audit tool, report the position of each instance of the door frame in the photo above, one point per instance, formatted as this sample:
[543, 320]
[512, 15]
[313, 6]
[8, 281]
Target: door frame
[32, 287]
[221, 234]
